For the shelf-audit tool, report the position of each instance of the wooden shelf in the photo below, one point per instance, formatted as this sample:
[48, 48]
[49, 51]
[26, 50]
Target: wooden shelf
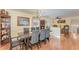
[5, 41]
[5, 31]
[5, 28]
[4, 16]
[4, 34]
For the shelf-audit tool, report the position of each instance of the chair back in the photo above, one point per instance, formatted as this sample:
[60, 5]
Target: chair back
[37, 28]
[35, 37]
[47, 31]
[32, 29]
[26, 30]
[77, 30]
[42, 34]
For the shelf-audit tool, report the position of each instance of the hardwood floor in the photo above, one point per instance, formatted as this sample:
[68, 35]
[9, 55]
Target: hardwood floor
[64, 43]
[5, 47]
[71, 42]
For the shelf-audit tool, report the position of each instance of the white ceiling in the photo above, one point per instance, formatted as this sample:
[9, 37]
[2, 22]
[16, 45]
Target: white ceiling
[53, 12]
[61, 12]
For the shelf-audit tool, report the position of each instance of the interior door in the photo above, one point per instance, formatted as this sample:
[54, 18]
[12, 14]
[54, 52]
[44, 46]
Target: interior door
[42, 24]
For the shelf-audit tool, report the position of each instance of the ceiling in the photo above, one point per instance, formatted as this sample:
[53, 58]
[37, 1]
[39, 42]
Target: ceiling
[52, 12]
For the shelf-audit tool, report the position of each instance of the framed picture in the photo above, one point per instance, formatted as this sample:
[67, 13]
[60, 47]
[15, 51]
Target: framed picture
[61, 21]
[23, 21]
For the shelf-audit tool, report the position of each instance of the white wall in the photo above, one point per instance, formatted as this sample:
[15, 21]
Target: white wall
[74, 23]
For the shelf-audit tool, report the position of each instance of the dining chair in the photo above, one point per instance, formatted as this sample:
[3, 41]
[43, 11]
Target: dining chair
[32, 29]
[78, 30]
[37, 28]
[26, 30]
[34, 40]
[22, 40]
[47, 33]
[14, 43]
[42, 36]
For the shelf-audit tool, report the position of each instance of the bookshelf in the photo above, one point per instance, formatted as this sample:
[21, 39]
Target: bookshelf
[5, 28]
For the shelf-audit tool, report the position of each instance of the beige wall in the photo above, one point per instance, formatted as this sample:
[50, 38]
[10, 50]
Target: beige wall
[68, 21]
[14, 28]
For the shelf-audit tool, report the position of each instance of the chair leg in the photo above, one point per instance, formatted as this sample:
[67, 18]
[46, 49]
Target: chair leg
[11, 48]
[30, 46]
[40, 43]
[23, 46]
[37, 46]
[48, 38]
[20, 47]
[44, 41]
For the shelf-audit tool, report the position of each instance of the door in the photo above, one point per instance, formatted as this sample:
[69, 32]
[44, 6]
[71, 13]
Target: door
[42, 24]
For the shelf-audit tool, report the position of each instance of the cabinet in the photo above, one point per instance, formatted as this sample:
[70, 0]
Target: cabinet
[5, 29]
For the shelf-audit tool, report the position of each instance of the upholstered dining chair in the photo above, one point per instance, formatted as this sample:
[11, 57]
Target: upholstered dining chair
[78, 30]
[26, 30]
[37, 28]
[34, 40]
[42, 36]
[15, 44]
[32, 29]
[47, 33]
[22, 40]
